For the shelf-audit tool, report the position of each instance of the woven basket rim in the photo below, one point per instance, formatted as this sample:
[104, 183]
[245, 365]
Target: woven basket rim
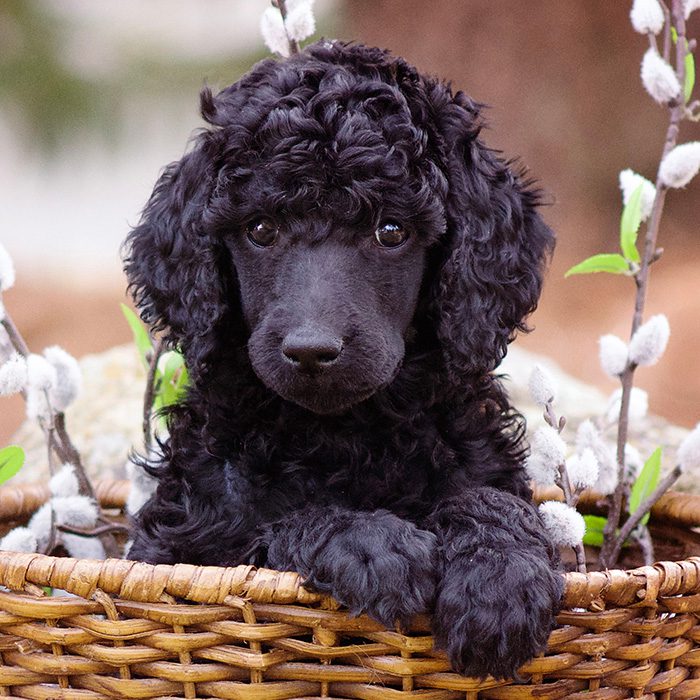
[150, 583]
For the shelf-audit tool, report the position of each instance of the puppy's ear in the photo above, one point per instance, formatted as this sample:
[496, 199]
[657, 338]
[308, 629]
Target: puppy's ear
[171, 264]
[495, 249]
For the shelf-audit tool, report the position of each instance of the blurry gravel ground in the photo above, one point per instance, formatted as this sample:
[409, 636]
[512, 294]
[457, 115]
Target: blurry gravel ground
[105, 421]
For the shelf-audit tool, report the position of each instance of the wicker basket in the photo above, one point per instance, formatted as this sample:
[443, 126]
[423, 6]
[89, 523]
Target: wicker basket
[132, 630]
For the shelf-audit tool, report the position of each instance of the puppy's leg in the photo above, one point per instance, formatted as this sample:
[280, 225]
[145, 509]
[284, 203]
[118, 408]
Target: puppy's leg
[498, 591]
[372, 562]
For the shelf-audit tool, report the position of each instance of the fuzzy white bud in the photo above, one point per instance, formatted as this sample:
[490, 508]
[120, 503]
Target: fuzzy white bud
[79, 511]
[629, 182]
[689, 6]
[541, 472]
[21, 539]
[41, 378]
[40, 525]
[681, 165]
[83, 547]
[300, 22]
[647, 16]
[583, 469]
[273, 32]
[13, 375]
[607, 480]
[649, 341]
[638, 408]
[294, 4]
[564, 525]
[659, 78]
[64, 482]
[547, 452]
[68, 377]
[41, 375]
[688, 454]
[548, 445]
[541, 386]
[588, 436]
[143, 485]
[7, 270]
[613, 354]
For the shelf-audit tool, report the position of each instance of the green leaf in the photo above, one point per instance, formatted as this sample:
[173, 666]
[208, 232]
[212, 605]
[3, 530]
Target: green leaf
[629, 225]
[169, 362]
[182, 381]
[689, 67]
[173, 378]
[604, 262]
[689, 76]
[595, 525]
[11, 461]
[646, 483]
[141, 337]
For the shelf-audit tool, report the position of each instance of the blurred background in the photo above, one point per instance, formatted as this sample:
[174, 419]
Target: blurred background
[97, 96]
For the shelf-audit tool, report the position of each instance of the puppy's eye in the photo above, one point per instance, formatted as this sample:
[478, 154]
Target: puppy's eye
[262, 232]
[390, 235]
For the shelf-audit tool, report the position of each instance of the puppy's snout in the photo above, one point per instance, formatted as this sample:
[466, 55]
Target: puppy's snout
[311, 350]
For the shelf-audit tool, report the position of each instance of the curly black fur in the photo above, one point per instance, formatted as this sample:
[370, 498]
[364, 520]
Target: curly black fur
[388, 469]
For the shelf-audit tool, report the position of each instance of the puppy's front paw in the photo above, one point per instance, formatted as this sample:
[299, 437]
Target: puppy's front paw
[380, 565]
[494, 611]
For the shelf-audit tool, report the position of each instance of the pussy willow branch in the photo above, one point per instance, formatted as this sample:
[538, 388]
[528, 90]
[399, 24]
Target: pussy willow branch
[281, 5]
[667, 31]
[14, 335]
[58, 441]
[571, 496]
[612, 541]
[95, 531]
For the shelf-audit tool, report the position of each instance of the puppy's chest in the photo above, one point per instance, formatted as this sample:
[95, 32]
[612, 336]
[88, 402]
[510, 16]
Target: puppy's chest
[360, 478]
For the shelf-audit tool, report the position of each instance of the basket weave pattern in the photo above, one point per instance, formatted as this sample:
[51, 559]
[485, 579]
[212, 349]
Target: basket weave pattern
[133, 630]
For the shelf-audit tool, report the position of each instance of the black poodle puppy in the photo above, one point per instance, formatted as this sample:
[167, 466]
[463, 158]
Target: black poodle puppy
[343, 262]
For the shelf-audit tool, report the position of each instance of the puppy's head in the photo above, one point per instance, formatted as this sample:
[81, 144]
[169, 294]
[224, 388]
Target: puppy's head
[339, 208]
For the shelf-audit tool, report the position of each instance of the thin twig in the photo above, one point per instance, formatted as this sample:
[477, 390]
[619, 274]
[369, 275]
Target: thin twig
[580, 552]
[564, 483]
[667, 32]
[151, 392]
[571, 495]
[53, 534]
[644, 507]
[14, 335]
[609, 551]
[652, 41]
[109, 528]
[550, 417]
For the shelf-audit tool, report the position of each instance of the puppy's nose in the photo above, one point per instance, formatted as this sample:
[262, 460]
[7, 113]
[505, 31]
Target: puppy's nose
[311, 350]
